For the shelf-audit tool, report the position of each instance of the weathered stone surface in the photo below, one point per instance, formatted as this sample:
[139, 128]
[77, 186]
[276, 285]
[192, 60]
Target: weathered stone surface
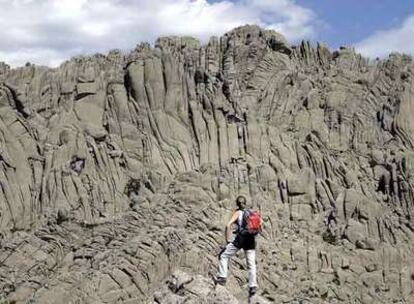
[118, 173]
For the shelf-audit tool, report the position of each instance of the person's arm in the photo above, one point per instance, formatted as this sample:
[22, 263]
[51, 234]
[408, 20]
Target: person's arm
[233, 219]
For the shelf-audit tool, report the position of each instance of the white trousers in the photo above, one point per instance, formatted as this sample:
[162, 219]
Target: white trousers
[228, 253]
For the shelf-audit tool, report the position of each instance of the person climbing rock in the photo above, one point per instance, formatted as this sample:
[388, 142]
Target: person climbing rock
[248, 226]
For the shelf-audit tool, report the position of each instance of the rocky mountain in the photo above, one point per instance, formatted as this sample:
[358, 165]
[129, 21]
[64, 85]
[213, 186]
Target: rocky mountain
[119, 172]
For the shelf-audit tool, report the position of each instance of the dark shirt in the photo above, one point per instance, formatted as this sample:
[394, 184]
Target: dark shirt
[246, 242]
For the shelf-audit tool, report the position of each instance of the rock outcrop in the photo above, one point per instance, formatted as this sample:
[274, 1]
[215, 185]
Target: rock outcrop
[118, 173]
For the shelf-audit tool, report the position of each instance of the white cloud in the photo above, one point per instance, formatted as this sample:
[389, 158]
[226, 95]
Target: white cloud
[381, 43]
[49, 31]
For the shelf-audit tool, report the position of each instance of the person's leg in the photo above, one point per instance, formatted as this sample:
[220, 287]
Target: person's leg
[228, 253]
[251, 267]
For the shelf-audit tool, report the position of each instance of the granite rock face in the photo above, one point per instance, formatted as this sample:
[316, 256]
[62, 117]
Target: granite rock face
[118, 173]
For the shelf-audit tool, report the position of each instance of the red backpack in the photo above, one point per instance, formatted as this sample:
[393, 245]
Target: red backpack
[252, 223]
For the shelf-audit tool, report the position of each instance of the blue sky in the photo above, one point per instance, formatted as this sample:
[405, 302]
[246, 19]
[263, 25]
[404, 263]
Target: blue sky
[48, 32]
[350, 21]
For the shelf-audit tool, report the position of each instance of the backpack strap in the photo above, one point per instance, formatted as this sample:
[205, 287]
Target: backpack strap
[243, 221]
[240, 219]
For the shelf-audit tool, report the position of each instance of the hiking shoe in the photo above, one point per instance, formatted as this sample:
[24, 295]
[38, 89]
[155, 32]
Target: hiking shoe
[252, 291]
[220, 280]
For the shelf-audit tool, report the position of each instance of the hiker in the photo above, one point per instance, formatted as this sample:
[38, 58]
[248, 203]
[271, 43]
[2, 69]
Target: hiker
[245, 239]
